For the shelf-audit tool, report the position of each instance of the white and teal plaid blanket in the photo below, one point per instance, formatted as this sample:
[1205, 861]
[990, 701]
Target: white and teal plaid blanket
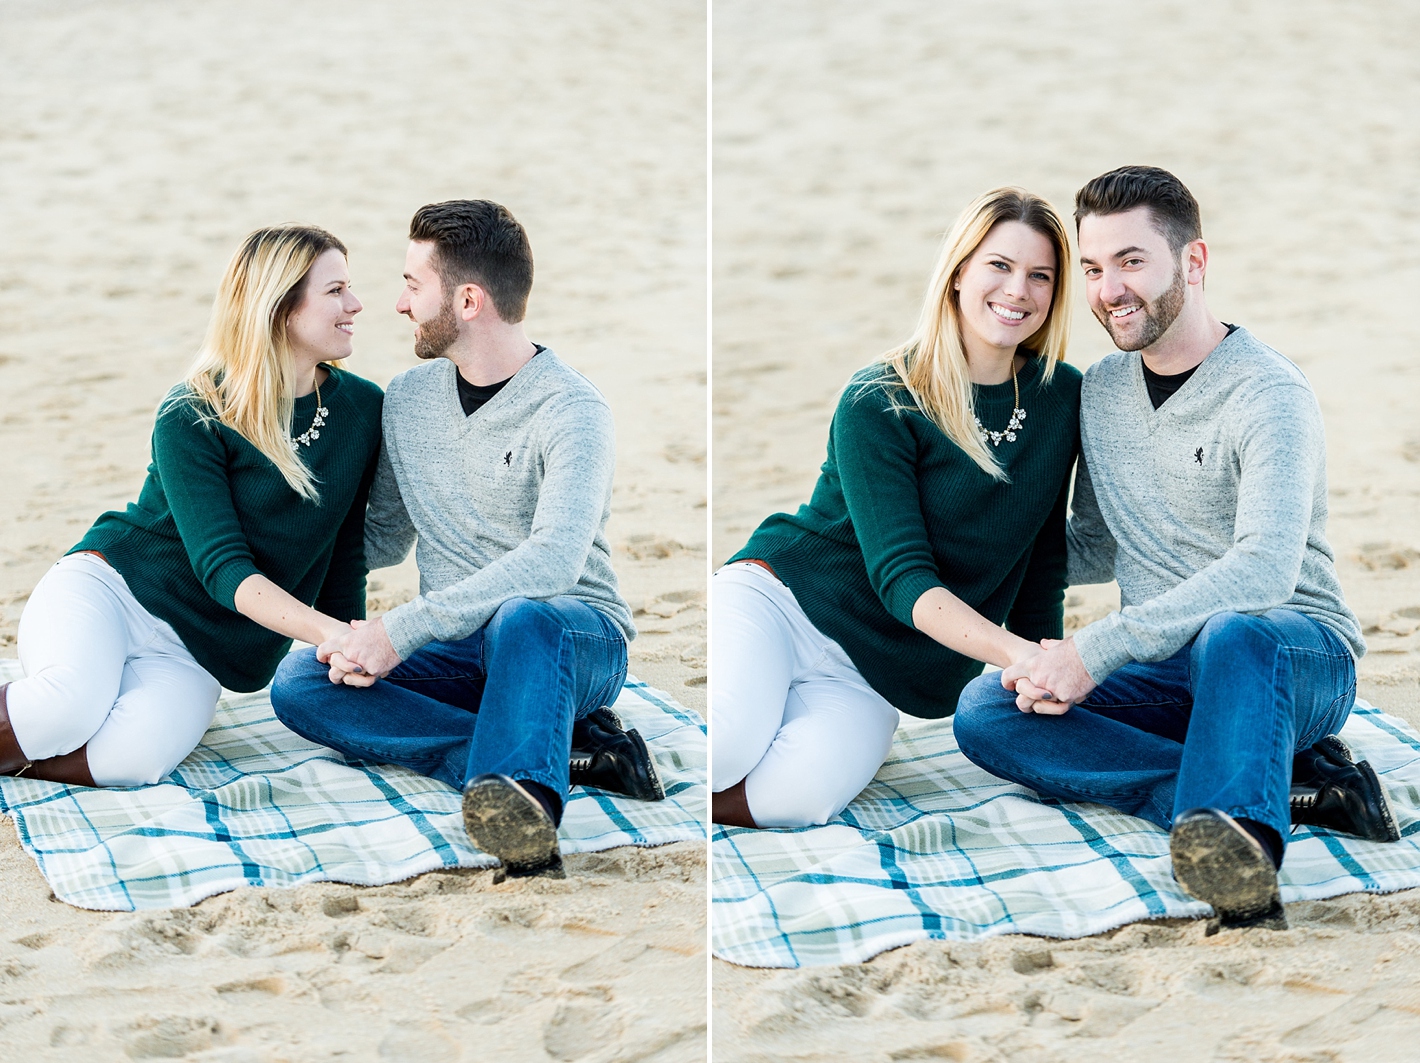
[937, 848]
[256, 805]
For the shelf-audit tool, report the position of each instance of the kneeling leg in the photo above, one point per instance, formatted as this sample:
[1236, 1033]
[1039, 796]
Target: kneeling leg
[835, 736]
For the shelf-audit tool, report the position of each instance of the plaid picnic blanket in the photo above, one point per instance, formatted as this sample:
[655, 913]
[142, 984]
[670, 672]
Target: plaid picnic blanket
[257, 805]
[937, 848]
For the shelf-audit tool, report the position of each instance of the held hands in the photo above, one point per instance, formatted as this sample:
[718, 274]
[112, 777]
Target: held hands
[1050, 681]
[359, 654]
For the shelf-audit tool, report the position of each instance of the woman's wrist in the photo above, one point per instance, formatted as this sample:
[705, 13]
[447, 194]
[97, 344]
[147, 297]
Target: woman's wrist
[327, 627]
[1018, 649]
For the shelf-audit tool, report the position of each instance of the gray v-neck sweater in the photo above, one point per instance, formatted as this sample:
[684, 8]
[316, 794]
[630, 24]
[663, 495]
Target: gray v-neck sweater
[508, 502]
[1215, 502]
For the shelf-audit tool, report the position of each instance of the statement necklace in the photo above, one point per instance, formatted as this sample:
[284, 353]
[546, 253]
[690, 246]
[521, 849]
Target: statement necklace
[318, 422]
[1018, 418]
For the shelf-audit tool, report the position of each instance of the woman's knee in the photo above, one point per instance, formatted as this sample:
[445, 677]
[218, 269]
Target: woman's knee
[141, 767]
[811, 774]
[807, 801]
[730, 760]
[145, 740]
[57, 709]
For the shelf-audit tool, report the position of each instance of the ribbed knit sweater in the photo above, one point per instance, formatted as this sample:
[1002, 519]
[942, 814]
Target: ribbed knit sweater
[899, 509]
[214, 510]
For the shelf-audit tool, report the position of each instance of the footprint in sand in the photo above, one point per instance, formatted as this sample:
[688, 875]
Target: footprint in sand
[174, 1035]
[580, 1029]
[253, 987]
[408, 1042]
[1032, 961]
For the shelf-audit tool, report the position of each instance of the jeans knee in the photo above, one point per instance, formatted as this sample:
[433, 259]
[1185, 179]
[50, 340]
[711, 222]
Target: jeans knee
[1229, 632]
[521, 618]
[292, 683]
[982, 698]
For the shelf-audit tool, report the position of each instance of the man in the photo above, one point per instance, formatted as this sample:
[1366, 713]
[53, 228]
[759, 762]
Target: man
[498, 460]
[1202, 489]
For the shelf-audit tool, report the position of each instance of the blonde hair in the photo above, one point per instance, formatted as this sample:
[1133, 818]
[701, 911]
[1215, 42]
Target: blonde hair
[244, 372]
[932, 364]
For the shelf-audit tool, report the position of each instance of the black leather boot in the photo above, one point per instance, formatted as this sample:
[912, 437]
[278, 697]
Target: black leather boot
[1332, 791]
[607, 757]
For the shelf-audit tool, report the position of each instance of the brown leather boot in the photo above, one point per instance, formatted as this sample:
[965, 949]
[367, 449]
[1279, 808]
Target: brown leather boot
[730, 807]
[72, 769]
[12, 758]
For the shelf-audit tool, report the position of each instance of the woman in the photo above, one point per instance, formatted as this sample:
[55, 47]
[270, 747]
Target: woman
[249, 532]
[939, 516]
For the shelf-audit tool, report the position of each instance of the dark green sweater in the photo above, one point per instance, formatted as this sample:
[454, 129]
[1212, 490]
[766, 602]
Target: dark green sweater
[900, 509]
[214, 511]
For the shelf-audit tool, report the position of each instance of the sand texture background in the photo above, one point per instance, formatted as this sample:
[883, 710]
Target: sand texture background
[846, 139]
[139, 141]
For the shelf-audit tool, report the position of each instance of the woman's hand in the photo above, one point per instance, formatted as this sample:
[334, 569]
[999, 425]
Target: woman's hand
[330, 628]
[359, 655]
[1024, 650]
[1050, 681]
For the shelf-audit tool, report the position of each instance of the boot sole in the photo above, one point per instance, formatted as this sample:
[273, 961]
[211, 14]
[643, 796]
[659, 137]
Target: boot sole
[505, 821]
[1218, 863]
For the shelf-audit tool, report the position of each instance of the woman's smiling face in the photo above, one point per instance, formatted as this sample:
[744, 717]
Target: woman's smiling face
[1005, 288]
[320, 327]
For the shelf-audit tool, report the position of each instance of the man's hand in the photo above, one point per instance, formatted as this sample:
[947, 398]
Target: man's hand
[1058, 672]
[359, 656]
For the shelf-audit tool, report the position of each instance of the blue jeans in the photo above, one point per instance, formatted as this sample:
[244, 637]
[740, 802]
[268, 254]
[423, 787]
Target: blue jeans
[501, 700]
[1214, 726]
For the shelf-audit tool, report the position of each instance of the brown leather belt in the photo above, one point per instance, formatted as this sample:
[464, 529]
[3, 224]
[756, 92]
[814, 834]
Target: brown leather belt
[762, 564]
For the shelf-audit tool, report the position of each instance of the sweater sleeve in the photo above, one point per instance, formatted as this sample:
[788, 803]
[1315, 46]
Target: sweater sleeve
[389, 533]
[1280, 447]
[1039, 609]
[342, 592]
[875, 453]
[191, 462]
[579, 458]
[1091, 546]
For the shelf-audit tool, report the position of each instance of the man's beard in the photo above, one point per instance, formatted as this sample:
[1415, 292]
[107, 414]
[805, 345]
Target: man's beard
[437, 335]
[1158, 316]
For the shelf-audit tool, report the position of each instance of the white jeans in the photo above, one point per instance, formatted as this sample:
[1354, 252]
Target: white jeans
[101, 669]
[790, 713]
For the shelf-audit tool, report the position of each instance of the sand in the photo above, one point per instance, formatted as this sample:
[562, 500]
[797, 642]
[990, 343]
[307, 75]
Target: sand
[846, 139]
[139, 141]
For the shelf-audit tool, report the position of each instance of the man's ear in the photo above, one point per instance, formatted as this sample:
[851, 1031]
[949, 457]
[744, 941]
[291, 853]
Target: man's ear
[470, 300]
[1195, 261]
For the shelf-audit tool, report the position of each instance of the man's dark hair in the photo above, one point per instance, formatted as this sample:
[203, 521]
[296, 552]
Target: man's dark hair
[1172, 205]
[478, 241]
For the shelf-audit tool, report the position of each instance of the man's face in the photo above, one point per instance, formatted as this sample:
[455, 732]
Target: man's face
[1134, 283]
[425, 302]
